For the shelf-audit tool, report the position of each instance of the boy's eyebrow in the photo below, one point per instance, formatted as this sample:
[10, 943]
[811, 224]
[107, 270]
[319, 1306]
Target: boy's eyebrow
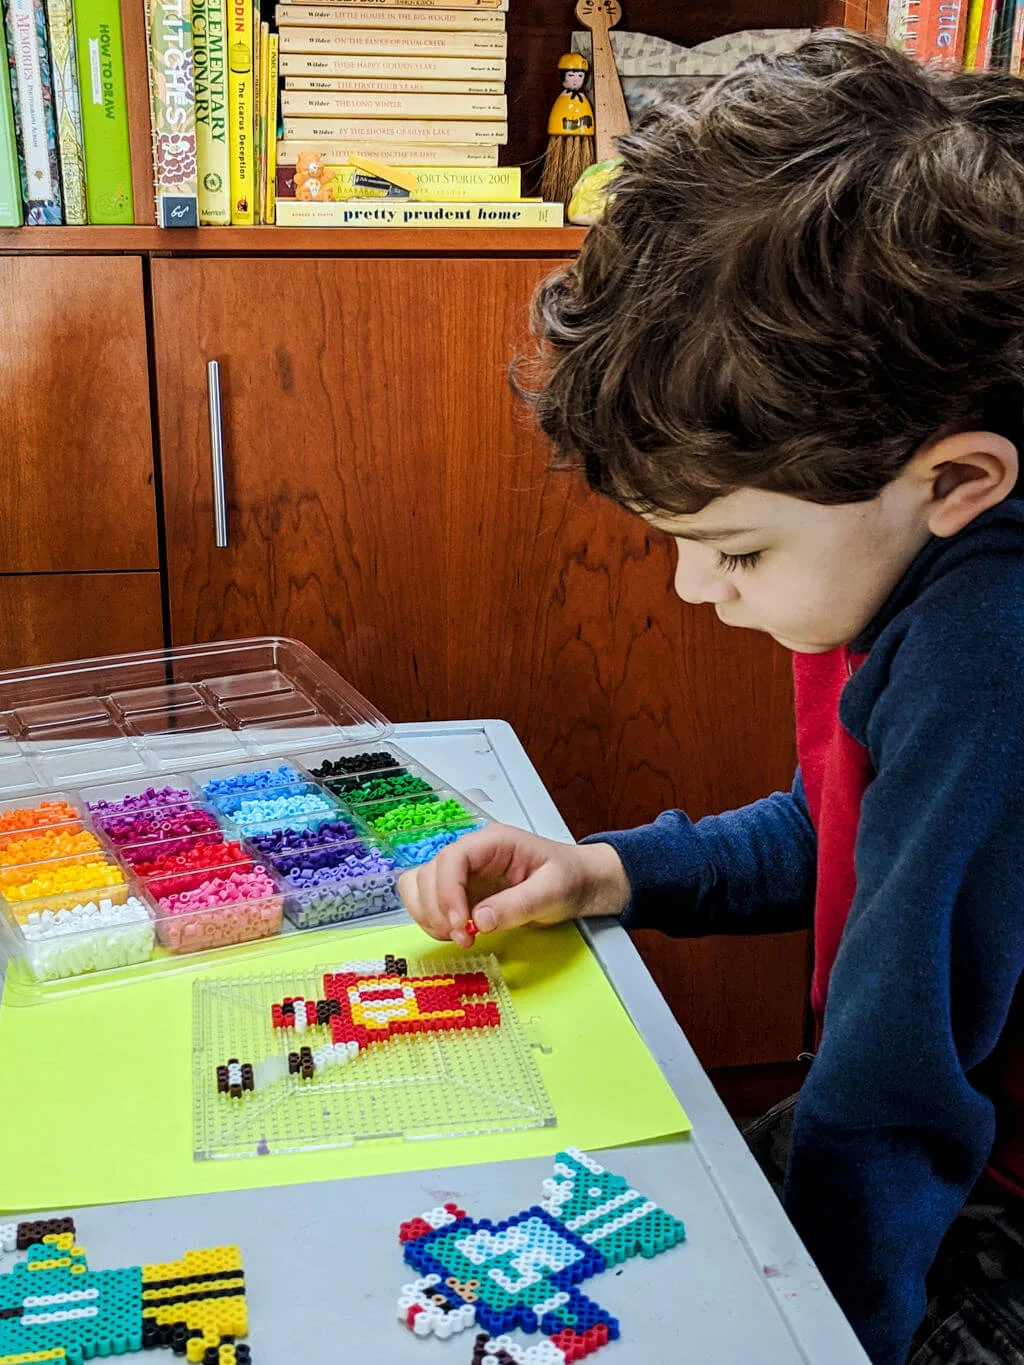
[715, 533]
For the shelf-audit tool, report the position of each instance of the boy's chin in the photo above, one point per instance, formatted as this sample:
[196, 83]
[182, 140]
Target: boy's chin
[794, 646]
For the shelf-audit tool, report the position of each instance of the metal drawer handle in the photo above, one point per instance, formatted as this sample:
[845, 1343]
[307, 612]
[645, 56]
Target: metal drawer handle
[220, 502]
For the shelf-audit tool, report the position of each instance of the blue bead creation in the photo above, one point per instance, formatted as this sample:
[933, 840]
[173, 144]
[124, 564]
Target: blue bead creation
[524, 1271]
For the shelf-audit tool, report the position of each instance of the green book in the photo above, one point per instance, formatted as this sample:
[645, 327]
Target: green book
[10, 176]
[108, 167]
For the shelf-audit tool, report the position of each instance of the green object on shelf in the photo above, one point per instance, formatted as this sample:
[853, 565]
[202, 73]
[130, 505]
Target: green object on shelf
[589, 197]
[108, 166]
[10, 182]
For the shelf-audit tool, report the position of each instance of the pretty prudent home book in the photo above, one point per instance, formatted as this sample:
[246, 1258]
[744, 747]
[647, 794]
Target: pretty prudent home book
[108, 167]
[32, 101]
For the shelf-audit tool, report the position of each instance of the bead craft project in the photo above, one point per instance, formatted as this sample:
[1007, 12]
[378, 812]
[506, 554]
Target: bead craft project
[524, 1271]
[54, 1307]
[371, 1049]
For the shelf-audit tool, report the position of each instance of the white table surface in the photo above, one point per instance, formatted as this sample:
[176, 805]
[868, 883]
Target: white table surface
[323, 1265]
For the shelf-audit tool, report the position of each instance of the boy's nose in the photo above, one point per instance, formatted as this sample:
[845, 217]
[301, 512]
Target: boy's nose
[696, 583]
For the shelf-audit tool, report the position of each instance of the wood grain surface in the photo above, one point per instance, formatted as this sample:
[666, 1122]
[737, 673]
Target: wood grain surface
[390, 505]
[45, 618]
[75, 419]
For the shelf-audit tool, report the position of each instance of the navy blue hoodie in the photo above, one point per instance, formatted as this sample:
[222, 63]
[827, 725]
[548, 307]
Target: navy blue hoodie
[918, 1082]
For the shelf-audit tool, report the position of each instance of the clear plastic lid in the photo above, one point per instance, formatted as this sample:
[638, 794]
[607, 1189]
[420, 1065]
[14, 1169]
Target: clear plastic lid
[138, 715]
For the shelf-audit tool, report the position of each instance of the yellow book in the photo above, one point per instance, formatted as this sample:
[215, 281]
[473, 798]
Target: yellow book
[261, 142]
[268, 216]
[349, 16]
[240, 99]
[974, 13]
[393, 42]
[392, 68]
[356, 104]
[384, 131]
[436, 184]
[386, 87]
[398, 213]
[209, 55]
[337, 152]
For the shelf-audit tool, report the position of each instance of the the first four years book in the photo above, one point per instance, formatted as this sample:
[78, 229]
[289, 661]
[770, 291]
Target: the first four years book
[400, 213]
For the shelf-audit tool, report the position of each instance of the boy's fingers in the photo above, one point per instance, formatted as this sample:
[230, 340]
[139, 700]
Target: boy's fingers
[412, 890]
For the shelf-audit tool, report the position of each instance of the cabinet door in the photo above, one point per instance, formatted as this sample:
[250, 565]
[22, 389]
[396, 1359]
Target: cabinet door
[75, 442]
[390, 505]
[46, 618]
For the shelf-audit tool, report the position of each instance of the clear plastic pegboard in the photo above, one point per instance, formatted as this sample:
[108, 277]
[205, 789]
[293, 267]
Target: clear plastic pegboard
[382, 1049]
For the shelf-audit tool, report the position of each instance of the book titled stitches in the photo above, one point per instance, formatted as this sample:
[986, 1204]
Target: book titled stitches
[172, 101]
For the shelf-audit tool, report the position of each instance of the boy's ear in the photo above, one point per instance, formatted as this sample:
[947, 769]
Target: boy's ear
[964, 475]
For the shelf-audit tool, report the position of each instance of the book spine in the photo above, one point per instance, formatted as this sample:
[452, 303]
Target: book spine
[974, 9]
[264, 81]
[393, 42]
[983, 55]
[209, 55]
[254, 131]
[912, 28]
[944, 33]
[173, 113]
[272, 84]
[385, 131]
[240, 113]
[441, 185]
[384, 87]
[438, 20]
[32, 102]
[896, 24]
[1017, 38]
[108, 167]
[393, 68]
[339, 104]
[1002, 36]
[397, 154]
[371, 5]
[10, 177]
[68, 110]
[406, 213]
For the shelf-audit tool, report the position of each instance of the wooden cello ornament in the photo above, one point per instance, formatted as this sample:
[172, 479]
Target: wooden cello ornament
[609, 106]
[570, 133]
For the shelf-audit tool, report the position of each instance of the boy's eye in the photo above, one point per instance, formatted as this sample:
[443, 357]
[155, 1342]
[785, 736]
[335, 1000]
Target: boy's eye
[731, 562]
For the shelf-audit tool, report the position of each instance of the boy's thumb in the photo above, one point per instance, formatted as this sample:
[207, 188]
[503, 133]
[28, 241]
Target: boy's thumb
[503, 911]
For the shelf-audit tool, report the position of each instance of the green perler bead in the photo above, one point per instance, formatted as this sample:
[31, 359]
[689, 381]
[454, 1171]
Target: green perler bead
[384, 789]
[416, 814]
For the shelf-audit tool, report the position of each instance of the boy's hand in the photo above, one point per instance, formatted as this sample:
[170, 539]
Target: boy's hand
[502, 877]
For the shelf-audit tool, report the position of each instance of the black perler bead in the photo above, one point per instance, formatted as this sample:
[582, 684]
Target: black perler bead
[210, 1356]
[293, 1063]
[34, 1231]
[243, 1355]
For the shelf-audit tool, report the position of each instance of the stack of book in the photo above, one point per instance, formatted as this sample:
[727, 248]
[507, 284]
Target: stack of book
[977, 35]
[64, 154]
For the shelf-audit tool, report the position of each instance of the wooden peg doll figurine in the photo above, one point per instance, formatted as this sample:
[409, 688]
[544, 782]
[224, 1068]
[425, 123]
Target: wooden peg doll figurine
[570, 132]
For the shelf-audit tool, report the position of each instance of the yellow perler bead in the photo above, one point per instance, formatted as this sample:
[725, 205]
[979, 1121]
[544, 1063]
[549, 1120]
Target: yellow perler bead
[195, 1348]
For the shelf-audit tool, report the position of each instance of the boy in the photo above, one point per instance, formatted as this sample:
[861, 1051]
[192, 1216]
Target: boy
[796, 345]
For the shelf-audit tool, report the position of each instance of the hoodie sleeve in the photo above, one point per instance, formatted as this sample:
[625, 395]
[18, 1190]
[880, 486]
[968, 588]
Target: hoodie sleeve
[892, 1128]
[747, 871]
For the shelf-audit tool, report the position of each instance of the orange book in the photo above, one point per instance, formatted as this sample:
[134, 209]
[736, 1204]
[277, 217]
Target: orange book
[942, 32]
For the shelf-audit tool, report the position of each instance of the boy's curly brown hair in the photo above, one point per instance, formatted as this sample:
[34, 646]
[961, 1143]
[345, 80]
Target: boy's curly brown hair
[807, 270]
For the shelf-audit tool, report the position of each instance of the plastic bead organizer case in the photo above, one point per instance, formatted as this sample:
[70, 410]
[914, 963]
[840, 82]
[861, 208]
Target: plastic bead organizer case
[163, 806]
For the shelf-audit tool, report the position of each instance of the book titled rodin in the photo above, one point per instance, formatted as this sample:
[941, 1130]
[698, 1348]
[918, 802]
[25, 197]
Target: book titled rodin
[241, 111]
[404, 213]
[108, 169]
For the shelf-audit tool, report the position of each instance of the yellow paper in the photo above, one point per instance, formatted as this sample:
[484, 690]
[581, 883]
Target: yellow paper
[97, 1089]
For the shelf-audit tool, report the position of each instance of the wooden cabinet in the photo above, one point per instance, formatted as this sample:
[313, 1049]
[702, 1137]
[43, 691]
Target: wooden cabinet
[74, 417]
[390, 505]
[79, 567]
